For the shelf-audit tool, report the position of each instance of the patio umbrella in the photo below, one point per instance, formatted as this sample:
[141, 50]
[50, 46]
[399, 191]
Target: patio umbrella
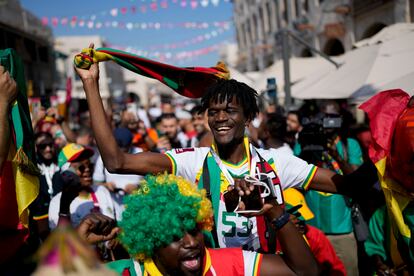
[364, 72]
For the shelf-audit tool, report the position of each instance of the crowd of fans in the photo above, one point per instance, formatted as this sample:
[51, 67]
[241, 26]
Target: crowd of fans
[346, 235]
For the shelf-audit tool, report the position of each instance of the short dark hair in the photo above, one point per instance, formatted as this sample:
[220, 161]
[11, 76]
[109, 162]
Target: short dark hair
[196, 110]
[43, 134]
[168, 116]
[298, 114]
[276, 124]
[226, 90]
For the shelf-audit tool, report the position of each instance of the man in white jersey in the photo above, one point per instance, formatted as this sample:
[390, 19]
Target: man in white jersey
[230, 106]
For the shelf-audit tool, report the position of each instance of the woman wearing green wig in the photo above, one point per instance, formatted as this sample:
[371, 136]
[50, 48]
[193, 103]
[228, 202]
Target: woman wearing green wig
[162, 230]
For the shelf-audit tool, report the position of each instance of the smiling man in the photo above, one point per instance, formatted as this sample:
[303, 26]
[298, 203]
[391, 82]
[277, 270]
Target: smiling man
[230, 106]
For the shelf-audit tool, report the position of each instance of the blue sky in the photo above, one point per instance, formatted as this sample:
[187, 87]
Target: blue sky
[150, 40]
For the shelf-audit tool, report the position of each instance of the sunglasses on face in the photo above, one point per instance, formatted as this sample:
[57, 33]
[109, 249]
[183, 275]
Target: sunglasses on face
[82, 168]
[45, 145]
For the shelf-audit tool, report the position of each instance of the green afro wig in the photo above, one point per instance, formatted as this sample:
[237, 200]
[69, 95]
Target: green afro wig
[163, 209]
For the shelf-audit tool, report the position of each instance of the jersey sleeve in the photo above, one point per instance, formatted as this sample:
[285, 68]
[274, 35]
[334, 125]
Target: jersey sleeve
[99, 171]
[54, 208]
[252, 262]
[106, 204]
[293, 171]
[39, 209]
[187, 162]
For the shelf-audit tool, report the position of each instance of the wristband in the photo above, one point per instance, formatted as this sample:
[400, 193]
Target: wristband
[281, 221]
[64, 215]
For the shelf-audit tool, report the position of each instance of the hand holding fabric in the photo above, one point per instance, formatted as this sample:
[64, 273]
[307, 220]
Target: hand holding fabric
[91, 72]
[8, 88]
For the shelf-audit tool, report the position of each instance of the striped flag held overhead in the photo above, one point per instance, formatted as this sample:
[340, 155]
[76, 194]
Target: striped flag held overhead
[189, 82]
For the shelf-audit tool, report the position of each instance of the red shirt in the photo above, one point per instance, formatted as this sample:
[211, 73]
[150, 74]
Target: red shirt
[324, 252]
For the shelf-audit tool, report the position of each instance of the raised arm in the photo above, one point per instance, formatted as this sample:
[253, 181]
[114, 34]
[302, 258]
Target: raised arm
[352, 185]
[114, 159]
[297, 256]
[8, 92]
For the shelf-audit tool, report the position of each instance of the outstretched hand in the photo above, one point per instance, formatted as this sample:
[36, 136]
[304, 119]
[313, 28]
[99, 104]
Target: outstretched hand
[96, 227]
[91, 74]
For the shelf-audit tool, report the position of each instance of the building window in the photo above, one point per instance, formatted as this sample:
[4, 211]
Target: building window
[306, 6]
[285, 12]
[334, 47]
[269, 16]
[298, 8]
[43, 54]
[30, 47]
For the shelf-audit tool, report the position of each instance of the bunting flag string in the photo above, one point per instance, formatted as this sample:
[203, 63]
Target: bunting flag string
[143, 8]
[92, 24]
[192, 41]
[168, 56]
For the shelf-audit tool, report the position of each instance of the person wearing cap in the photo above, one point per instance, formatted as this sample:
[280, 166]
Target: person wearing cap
[74, 160]
[118, 184]
[322, 249]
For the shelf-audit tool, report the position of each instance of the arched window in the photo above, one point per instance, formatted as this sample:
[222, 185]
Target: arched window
[334, 47]
[306, 53]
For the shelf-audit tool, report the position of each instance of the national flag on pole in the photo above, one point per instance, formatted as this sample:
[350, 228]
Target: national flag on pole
[190, 82]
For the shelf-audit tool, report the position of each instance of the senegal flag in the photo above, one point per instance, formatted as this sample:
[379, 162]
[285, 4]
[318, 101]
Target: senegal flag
[189, 82]
[19, 182]
[392, 127]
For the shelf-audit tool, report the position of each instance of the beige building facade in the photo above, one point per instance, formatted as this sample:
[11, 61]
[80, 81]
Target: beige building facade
[33, 42]
[111, 79]
[331, 26]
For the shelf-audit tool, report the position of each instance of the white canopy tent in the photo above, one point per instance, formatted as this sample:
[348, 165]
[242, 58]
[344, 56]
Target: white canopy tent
[374, 67]
[299, 69]
[239, 76]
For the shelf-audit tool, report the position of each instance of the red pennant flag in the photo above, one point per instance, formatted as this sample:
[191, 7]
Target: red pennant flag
[45, 21]
[55, 21]
[164, 4]
[153, 6]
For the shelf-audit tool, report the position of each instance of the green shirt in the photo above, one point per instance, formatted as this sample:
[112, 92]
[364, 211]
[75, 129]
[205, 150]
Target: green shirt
[332, 213]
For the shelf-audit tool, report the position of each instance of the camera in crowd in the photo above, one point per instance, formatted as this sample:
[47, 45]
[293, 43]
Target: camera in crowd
[316, 133]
